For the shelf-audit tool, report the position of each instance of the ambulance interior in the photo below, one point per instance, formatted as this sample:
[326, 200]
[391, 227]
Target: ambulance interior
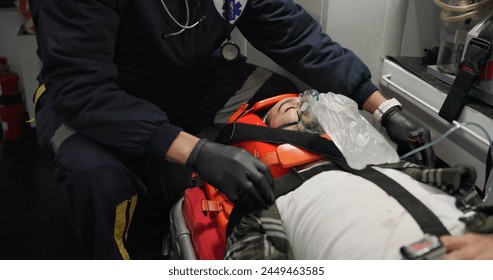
[399, 40]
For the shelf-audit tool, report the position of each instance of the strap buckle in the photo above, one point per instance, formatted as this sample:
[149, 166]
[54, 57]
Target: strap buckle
[210, 206]
[475, 55]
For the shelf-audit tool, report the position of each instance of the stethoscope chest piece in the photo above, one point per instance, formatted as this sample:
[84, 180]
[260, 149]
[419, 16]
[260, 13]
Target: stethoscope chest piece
[230, 51]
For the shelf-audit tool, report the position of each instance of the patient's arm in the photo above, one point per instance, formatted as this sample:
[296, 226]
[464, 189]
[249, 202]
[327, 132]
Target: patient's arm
[469, 246]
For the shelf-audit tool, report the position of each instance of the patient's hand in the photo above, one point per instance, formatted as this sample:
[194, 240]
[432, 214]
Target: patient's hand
[469, 246]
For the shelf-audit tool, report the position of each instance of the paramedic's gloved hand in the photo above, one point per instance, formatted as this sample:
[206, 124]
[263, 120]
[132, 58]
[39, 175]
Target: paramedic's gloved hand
[233, 171]
[408, 135]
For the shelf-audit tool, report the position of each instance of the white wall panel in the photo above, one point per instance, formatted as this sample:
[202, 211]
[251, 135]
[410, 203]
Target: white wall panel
[10, 23]
[422, 29]
[378, 28]
[360, 25]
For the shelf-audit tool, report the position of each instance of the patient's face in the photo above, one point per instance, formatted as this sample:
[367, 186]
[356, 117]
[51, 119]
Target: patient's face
[287, 114]
[284, 114]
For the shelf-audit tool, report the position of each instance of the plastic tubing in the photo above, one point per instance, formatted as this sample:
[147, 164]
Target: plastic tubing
[489, 183]
[443, 136]
[467, 11]
[474, 6]
[462, 17]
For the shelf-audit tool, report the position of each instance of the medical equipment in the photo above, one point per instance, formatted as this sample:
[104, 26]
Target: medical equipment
[427, 248]
[484, 83]
[478, 51]
[452, 38]
[359, 142]
[229, 50]
[489, 180]
[328, 114]
[458, 17]
[184, 26]
[307, 120]
[467, 45]
[466, 8]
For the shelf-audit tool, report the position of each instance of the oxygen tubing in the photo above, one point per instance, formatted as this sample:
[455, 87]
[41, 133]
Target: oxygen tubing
[465, 8]
[489, 183]
[445, 17]
[443, 136]
[467, 11]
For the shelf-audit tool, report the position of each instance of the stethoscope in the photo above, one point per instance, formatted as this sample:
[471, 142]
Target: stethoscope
[229, 50]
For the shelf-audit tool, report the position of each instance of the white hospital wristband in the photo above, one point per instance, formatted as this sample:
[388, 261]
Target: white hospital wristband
[384, 107]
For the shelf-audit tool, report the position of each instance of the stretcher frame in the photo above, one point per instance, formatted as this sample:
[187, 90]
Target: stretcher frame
[178, 244]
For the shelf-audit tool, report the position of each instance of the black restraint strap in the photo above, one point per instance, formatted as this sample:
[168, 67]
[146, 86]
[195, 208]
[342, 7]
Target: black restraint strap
[477, 50]
[425, 218]
[239, 132]
[294, 179]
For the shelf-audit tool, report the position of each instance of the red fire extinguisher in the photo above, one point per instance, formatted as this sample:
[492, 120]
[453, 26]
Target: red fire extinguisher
[11, 108]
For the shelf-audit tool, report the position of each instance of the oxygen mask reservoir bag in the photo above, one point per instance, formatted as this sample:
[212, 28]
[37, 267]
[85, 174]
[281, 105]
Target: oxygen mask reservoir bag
[338, 116]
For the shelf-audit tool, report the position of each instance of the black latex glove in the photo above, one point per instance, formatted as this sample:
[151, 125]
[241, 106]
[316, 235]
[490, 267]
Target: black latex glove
[234, 172]
[408, 135]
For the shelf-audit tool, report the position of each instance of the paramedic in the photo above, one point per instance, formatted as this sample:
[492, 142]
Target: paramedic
[470, 246]
[127, 82]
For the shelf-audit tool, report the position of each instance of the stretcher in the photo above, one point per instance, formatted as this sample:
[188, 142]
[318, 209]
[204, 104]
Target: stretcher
[178, 245]
[199, 220]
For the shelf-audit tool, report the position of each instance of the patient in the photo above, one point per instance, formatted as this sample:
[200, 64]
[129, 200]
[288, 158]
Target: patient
[338, 215]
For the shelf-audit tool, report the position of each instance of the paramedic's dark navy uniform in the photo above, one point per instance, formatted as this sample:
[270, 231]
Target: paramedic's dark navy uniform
[119, 90]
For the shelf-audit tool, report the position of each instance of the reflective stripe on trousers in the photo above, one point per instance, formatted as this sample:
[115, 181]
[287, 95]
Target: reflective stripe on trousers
[123, 217]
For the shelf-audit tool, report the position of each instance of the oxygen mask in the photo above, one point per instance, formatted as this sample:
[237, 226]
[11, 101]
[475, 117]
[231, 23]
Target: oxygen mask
[305, 120]
[338, 116]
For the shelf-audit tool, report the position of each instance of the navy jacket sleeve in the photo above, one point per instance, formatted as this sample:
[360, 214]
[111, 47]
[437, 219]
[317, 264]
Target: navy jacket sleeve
[76, 41]
[287, 34]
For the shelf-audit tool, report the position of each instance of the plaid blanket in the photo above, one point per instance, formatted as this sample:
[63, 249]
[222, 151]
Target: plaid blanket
[259, 236]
